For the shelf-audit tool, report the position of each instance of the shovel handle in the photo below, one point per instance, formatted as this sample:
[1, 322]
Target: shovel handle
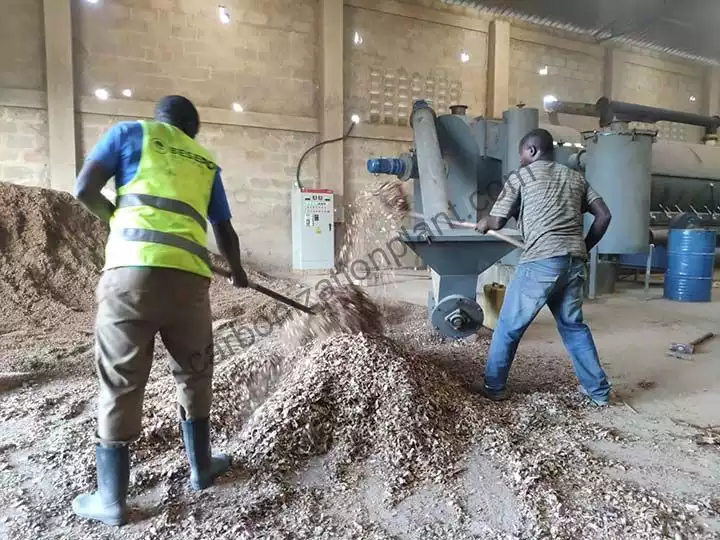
[268, 292]
[508, 239]
[468, 225]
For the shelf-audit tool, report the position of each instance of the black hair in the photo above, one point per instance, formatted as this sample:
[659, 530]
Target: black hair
[540, 139]
[180, 112]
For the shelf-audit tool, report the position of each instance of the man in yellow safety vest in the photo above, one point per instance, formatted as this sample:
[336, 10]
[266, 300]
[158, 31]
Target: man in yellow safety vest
[156, 280]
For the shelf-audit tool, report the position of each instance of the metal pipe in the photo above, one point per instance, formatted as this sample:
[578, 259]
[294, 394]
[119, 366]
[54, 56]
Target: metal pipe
[592, 278]
[575, 108]
[431, 168]
[519, 121]
[648, 268]
[612, 111]
[619, 111]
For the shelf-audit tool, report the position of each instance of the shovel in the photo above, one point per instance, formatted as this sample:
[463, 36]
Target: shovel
[269, 292]
[468, 225]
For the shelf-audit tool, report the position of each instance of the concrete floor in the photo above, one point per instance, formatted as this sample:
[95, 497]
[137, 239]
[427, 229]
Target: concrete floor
[632, 332]
[662, 401]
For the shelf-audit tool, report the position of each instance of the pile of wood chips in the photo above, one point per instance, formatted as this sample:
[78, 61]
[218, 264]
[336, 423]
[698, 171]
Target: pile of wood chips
[355, 396]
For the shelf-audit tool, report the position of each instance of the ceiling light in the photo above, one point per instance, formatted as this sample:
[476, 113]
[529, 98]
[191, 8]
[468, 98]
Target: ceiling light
[578, 145]
[93, 1]
[693, 99]
[224, 15]
[355, 118]
[464, 57]
[547, 100]
[127, 92]
[357, 39]
[543, 71]
[102, 94]
[237, 107]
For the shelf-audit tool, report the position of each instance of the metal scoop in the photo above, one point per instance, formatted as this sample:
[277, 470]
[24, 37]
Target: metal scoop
[269, 292]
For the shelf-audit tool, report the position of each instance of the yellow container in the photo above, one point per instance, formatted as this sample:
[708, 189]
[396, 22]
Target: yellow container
[491, 302]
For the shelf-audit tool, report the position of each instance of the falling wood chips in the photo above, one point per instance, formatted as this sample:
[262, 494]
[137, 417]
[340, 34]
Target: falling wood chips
[344, 309]
[392, 197]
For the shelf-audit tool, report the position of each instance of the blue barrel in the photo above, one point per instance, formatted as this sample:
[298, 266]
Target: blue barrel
[690, 265]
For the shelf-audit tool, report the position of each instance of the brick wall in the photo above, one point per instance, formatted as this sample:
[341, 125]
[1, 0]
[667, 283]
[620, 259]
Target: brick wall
[22, 47]
[23, 132]
[662, 85]
[538, 70]
[402, 59]
[158, 47]
[24, 146]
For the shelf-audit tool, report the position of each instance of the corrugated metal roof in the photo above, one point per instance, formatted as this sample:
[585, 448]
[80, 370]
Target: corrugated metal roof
[689, 29]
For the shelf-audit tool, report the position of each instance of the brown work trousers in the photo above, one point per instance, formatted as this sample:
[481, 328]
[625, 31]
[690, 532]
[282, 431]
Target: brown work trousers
[135, 304]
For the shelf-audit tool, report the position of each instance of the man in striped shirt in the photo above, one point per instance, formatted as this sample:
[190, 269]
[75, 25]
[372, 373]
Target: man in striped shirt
[548, 200]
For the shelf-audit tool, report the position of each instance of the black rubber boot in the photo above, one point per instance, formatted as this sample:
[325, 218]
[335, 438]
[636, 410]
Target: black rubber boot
[204, 467]
[107, 504]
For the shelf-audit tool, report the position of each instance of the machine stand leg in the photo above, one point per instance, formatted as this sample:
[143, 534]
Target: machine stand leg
[648, 268]
[592, 281]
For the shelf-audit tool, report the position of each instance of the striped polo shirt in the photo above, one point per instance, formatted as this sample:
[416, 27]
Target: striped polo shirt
[549, 200]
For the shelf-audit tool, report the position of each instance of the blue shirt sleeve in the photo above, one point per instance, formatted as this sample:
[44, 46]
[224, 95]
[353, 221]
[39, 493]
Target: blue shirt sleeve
[218, 209]
[119, 151]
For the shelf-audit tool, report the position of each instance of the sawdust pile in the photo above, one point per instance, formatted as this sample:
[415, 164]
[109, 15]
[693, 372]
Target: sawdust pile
[357, 396]
[51, 254]
[345, 309]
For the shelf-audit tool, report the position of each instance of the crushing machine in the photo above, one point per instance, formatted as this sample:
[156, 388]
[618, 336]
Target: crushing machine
[458, 164]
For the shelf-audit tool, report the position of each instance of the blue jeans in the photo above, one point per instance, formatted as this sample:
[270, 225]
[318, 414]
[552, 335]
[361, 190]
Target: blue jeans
[557, 282]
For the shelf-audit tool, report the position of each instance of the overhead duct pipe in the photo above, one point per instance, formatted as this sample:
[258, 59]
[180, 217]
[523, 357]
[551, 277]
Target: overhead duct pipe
[609, 111]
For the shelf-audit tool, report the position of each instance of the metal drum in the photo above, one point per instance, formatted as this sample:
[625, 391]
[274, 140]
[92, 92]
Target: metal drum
[690, 264]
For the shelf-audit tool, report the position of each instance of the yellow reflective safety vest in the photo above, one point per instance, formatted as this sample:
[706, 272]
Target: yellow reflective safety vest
[161, 214]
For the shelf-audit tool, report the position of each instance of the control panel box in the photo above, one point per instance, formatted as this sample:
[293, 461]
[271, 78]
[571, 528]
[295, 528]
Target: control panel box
[313, 234]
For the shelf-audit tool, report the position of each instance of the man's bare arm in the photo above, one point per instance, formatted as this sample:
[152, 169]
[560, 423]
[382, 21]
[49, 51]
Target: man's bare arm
[88, 190]
[229, 246]
[600, 224]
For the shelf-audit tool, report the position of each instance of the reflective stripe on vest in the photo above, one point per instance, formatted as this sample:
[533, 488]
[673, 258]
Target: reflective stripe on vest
[161, 203]
[166, 239]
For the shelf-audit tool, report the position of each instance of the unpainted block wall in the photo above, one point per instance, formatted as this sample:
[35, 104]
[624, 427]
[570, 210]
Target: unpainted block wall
[663, 86]
[410, 59]
[159, 47]
[571, 76]
[23, 132]
[24, 146]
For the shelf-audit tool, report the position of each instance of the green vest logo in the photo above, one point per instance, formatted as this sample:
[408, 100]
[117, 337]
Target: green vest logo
[158, 146]
[161, 148]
